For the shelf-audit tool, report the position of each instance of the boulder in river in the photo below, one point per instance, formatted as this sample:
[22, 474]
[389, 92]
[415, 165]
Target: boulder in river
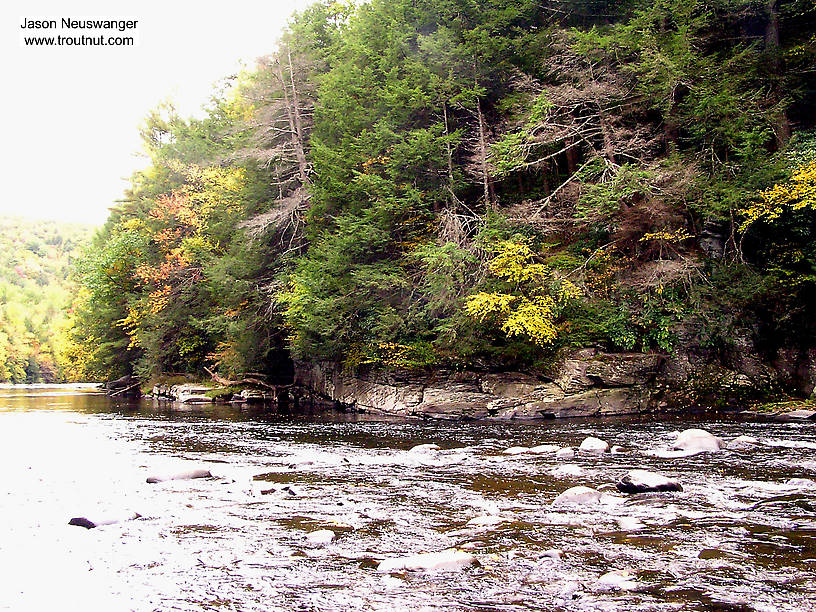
[565, 453]
[446, 560]
[321, 536]
[515, 450]
[594, 445]
[642, 481]
[617, 580]
[82, 521]
[544, 448]
[697, 441]
[578, 495]
[189, 475]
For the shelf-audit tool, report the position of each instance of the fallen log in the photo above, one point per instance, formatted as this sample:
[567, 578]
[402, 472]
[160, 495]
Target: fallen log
[125, 390]
[242, 381]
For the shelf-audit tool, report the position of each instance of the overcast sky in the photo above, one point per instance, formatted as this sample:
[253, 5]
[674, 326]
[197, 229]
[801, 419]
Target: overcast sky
[70, 116]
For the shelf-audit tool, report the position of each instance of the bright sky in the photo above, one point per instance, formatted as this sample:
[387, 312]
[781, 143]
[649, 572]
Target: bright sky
[71, 115]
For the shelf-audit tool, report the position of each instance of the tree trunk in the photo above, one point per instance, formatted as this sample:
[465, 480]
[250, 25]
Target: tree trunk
[290, 116]
[449, 151]
[572, 159]
[783, 128]
[300, 147]
[483, 157]
[609, 147]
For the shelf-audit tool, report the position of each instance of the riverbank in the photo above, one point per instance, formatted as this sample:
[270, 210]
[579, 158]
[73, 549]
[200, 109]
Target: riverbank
[583, 383]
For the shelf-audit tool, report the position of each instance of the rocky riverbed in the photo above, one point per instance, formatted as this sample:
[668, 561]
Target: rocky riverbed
[346, 512]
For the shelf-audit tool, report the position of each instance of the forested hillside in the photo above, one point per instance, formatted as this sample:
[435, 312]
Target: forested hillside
[35, 294]
[477, 184]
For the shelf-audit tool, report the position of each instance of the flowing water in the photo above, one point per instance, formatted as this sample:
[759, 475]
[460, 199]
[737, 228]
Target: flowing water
[740, 536]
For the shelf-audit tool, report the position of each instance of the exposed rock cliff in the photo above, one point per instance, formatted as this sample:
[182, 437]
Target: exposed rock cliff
[586, 384]
[581, 383]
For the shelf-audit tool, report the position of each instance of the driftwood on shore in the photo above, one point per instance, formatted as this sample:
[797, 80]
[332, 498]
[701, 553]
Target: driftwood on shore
[252, 380]
[125, 390]
[122, 386]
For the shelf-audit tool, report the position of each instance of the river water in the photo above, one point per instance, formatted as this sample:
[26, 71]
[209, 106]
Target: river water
[740, 536]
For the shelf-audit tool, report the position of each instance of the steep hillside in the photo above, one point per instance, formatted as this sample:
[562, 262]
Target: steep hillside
[36, 259]
[416, 184]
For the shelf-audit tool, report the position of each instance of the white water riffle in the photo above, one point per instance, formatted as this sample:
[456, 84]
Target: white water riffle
[341, 512]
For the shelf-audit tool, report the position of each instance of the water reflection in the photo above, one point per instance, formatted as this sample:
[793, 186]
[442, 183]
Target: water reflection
[741, 536]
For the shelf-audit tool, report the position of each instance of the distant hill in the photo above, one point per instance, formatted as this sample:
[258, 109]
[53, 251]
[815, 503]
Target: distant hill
[35, 296]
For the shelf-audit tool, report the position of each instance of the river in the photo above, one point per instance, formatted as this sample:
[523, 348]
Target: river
[740, 536]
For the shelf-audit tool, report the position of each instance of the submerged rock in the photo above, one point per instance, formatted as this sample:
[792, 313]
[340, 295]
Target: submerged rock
[697, 441]
[82, 521]
[553, 553]
[642, 481]
[803, 483]
[488, 520]
[616, 580]
[578, 495]
[422, 448]
[515, 450]
[594, 445]
[446, 560]
[629, 523]
[544, 448]
[568, 469]
[189, 475]
[742, 443]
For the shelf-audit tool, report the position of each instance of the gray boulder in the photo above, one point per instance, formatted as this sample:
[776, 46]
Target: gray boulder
[642, 481]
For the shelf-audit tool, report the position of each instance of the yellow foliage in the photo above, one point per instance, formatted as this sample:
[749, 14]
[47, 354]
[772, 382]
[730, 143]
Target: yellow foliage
[484, 306]
[667, 236]
[796, 194]
[567, 291]
[131, 324]
[537, 297]
[534, 319]
[380, 159]
[512, 262]
[133, 225]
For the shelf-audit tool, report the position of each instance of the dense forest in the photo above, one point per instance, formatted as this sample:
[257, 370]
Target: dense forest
[36, 291]
[475, 184]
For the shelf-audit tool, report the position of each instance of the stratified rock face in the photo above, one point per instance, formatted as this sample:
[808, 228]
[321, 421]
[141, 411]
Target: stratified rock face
[587, 369]
[642, 481]
[586, 385]
[796, 415]
[187, 393]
